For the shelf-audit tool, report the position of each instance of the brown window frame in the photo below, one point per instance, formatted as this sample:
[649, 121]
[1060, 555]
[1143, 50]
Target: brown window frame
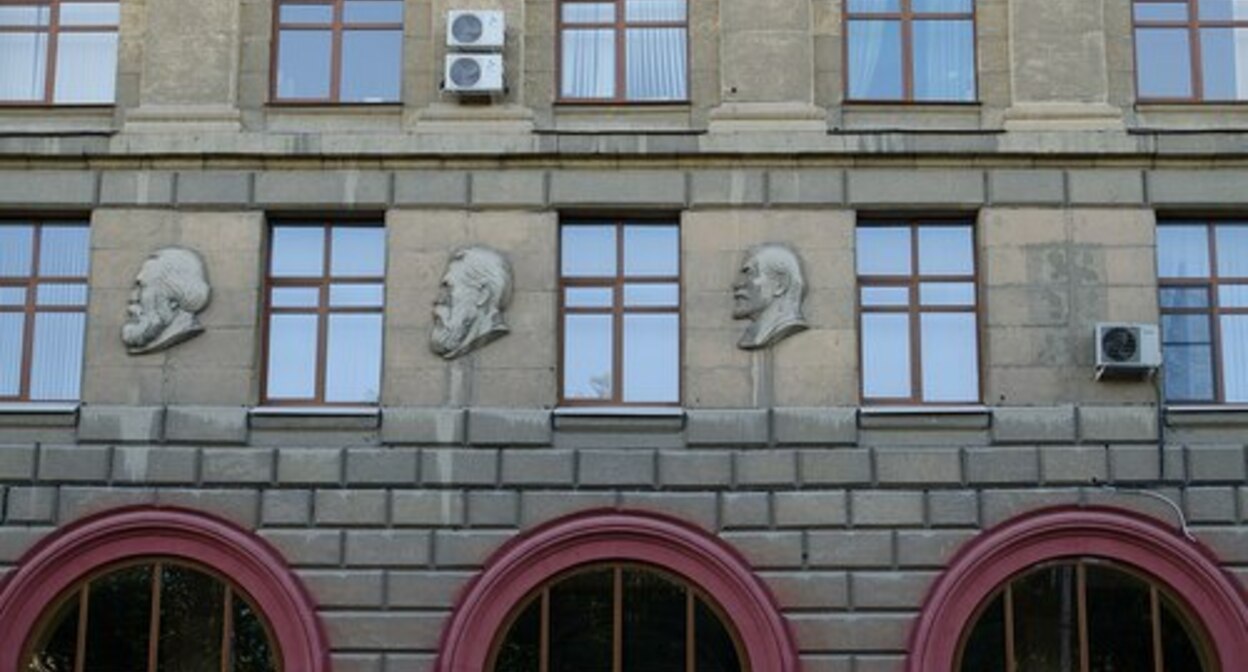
[906, 17]
[1193, 24]
[322, 310]
[31, 308]
[620, 27]
[54, 29]
[915, 309]
[337, 26]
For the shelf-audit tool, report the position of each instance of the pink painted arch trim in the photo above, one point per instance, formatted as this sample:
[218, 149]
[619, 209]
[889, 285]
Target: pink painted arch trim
[1189, 570]
[603, 536]
[60, 560]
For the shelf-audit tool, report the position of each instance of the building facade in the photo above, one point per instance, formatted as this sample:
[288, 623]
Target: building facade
[725, 335]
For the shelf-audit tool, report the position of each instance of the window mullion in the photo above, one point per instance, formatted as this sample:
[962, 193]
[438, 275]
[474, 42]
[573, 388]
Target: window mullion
[1010, 664]
[543, 655]
[621, 69]
[1154, 606]
[335, 55]
[154, 634]
[691, 659]
[1193, 23]
[617, 326]
[322, 319]
[907, 51]
[916, 317]
[227, 628]
[1081, 602]
[617, 622]
[80, 645]
[28, 328]
[54, 32]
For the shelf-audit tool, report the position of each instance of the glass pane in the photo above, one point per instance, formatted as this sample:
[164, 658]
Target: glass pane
[57, 646]
[251, 651]
[192, 611]
[587, 64]
[885, 355]
[1161, 11]
[63, 251]
[651, 358]
[581, 609]
[883, 250]
[716, 650]
[1233, 296]
[1235, 358]
[588, 251]
[985, 647]
[1046, 623]
[12, 296]
[587, 357]
[373, 11]
[941, 6]
[656, 63]
[86, 68]
[651, 251]
[588, 12]
[61, 295]
[947, 293]
[1120, 632]
[1232, 241]
[1223, 9]
[353, 359]
[654, 623]
[1185, 329]
[119, 618]
[521, 648]
[56, 366]
[589, 297]
[1224, 57]
[950, 357]
[307, 13]
[23, 65]
[356, 296]
[1173, 297]
[298, 251]
[1189, 372]
[295, 297]
[654, 10]
[1163, 63]
[1182, 252]
[651, 295]
[11, 327]
[371, 65]
[875, 60]
[90, 13]
[303, 58]
[358, 251]
[292, 357]
[16, 245]
[944, 60]
[24, 15]
[946, 250]
[885, 296]
[1178, 647]
[874, 6]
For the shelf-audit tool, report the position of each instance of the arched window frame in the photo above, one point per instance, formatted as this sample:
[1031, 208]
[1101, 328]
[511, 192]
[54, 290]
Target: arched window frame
[1187, 569]
[529, 561]
[64, 559]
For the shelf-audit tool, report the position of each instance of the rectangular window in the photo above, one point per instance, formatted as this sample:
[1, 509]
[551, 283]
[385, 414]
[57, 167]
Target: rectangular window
[1202, 270]
[58, 52]
[910, 50]
[43, 309]
[623, 50]
[324, 300]
[918, 325]
[338, 51]
[619, 299]
[1191, 51]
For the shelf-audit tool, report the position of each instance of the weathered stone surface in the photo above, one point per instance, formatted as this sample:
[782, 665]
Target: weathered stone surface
[154, 464]
[422, 425]
[815, 426]
[126, 424]
[1117, 424]
[712, 427]
[1032, 424]
[206, 424]
[508, 427]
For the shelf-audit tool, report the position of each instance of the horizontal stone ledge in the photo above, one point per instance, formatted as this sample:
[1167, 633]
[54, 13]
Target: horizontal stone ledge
[38, 414]
[925, 417]
[314, 417]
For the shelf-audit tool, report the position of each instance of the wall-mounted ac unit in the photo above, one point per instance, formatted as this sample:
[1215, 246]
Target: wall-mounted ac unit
[472, 29]
[474, 73]
[1127, 350]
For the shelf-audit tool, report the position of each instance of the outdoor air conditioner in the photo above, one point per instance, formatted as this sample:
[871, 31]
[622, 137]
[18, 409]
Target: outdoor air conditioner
[474, 73]
[472, 29]
[1125, 350]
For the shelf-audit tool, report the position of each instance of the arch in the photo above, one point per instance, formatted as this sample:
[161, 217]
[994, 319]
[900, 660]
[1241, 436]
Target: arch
[526, 562]
[59, 561]
[987, 562]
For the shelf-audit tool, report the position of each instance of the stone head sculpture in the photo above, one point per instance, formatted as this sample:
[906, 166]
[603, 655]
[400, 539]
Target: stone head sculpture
[468, 313]
[768, 291]
[169, 291]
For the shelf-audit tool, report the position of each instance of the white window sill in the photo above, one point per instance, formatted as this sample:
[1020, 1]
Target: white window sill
[39, 414]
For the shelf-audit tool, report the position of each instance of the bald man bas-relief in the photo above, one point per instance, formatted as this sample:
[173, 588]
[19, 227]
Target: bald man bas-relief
[473, 295]
[768, 291]
[169, 292]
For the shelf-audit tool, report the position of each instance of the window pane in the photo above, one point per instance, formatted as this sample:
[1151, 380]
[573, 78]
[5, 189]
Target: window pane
[1185, 329]
[654, 623]
[1177, 645]
[16, 245]
[11, 327]
[947, 294]
[587, 357]
[1046, 621]
[119, 614]
[521, 648]
[656, 63]
[1182, 252]
[883, 250]
[651, 251]
[651, 358]
[1224, 57]
[358, 251]
[1189, 372]
[1161, 11]
[371, 63]
[885, 355]
[373, 11]
[86, 68]
[875, 60]
[1232, 243]
[1163, 63]
[24, 15]
[1173, 297]
[57, 646]
[1235, 358]
[303, 63]
[946, 250]
[1120, 633]
[941, 6]
[1233, 296]
[944, 60]
[950, 357]
[985, 647]
[1223, 9]
[192, 608]
[885, 296]
[295, 297]
[23, 65]
[651, 295]
[307, 13]
[654, 10]
[56, 366]
[292, 357]
[588, 251]
[589, 297]
[12, 296]
[875, 5]
[716, 650]
[90, 13]
[588, 64]
[588, 12]
[61, 295]
[63, 251]
[581, 630]
[353, 359]
[251, 651]
[356, 296]
[298, 251]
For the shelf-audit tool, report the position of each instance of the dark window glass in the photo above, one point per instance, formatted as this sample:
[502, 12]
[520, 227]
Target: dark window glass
[655, 622]
[581, 619]
[57, 648]
[1120, 632]
[1178, 646]
[250, 650]
[339, 51]
[716, 650]
[1184, 58]
[521, 648]
[910, 50]
[1046, 627]
[192, 611]
[79, 37]
[648, 38]
[119, 620]
[985, 647]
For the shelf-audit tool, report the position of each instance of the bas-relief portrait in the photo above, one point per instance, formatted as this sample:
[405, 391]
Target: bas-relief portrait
[472, 297]
[769, 290]
[169, 292]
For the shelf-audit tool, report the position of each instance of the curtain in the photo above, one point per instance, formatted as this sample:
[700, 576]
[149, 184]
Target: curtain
[944, 60]
[874, 60]
[656, 63]
[588, 64]
[23, 64]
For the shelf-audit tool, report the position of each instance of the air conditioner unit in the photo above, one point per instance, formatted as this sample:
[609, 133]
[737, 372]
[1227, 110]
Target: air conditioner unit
[472, 29]
[474, 73]
[1127, 350]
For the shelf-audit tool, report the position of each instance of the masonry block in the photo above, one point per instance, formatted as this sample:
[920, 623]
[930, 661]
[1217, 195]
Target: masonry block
[14, 541]
[467, 548]
[862, 632]
[876, 508]
[397, 548]
[1106, 187]
[600, 468]
[1002, 465]
[694, 468]
[1213, 464]
[242, 507]
[376, 466]
[728, 187]
[427, 508]
[74, 463]
[206, 424]
[429, 426]
[425, 589]
[1118, 424]
[766, 467]
[380, 630]
[768, 550]
[538, 467]
[840, 466]
[490, 508]
[1229, 544]
[1195, 187]
[508, 188]
[809, 590]
[309, 465]
[154, 464]
[136, 187]
[899, 188]
[221, 188]
[350, 507]
[699, 508]
[17, 462]
[745, 509]
[508, 427]
[31, 505]
[1211, 505]
[930, 548]
[314, 188]
[850, 548]
[431, 188]
[237, 465]
[76, 502]
[1074, 464]
[904, 466]
[664, 188]
[811, 508]
[1033, 424]
[542, 506]
[1000, 505]
[338, 588]
[1146, 463]
[34, 188]
[1026, 187]
[451, 466]
[128, 424]
[307, 548]
[806, 186]
[816, 426]
[286, 507]
[952, 508]
[723, 427]
[890, 590]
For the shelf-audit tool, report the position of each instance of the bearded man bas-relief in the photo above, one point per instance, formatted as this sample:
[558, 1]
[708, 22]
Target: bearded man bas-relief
[472, 297]
[169, 292]
[768, 291]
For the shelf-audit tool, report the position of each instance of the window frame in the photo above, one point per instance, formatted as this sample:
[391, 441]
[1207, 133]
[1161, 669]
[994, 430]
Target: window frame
[53, 30]
[1193, 25]
[337, 27]
[906, 17]
[618, 28]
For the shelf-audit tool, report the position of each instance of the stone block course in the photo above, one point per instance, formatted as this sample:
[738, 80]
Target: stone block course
[373, 630]
[36, 188]
[387, 548]
[1117, 424]
[699, 508]
[74, 463]
[728, 187]
[811, 508]
[206, 424]
[74, 502]
[1074, 464]
[815, 426]
[452, 466]
[351, 507]
[286, 507]
[664, 188]
[808, 590]
[912, 188]
[768, 550]
[220, 188]
[493, 508]
[875, 508]
[1211, 505]
[598, 468]
[466, 548]
[14, 541]
[313, 188]
[1027, 424]
[890, 590]
[851, 548]
[897, 466]
[241, 507]
[930, 548]
[1214, 464]
[338, 588]
[428, 426]
[725, 428]
[766, 468]
[694, 468]
[508, 188]
[1107, 187]
[237, 465]
[155, 464]
[806, 187]
[380, 466]
[952, 508]
[136, 187]
[745, 510]
[424, 589]
[1000, 505]
[1145, 463]
[503, 427]
[537, 507]
[431, 188]
[538, 467]
[307, 548]
[863, 632]
[841, 466]
[17, 462]
[1002, 465]
[1026, 187]
[431, 508]
[30, 505]
[127, 424]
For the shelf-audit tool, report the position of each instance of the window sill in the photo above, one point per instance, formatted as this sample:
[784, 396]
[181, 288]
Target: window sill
[1211, 415]
[597, 117]
[39, 414]
[45, 119]
[314, 417]
[925, 417]
[619, 418]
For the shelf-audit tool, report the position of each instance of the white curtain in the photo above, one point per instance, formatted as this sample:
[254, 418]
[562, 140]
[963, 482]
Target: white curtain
[86, 68]
[866, 45]
[23, 63]
[656, 63]
[944, 60]
[1235, 357]
[588, 64]
[638, 11]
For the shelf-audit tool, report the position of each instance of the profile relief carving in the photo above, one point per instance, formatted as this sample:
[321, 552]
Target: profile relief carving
[170, 291]
[472, 297]
[769, 290]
